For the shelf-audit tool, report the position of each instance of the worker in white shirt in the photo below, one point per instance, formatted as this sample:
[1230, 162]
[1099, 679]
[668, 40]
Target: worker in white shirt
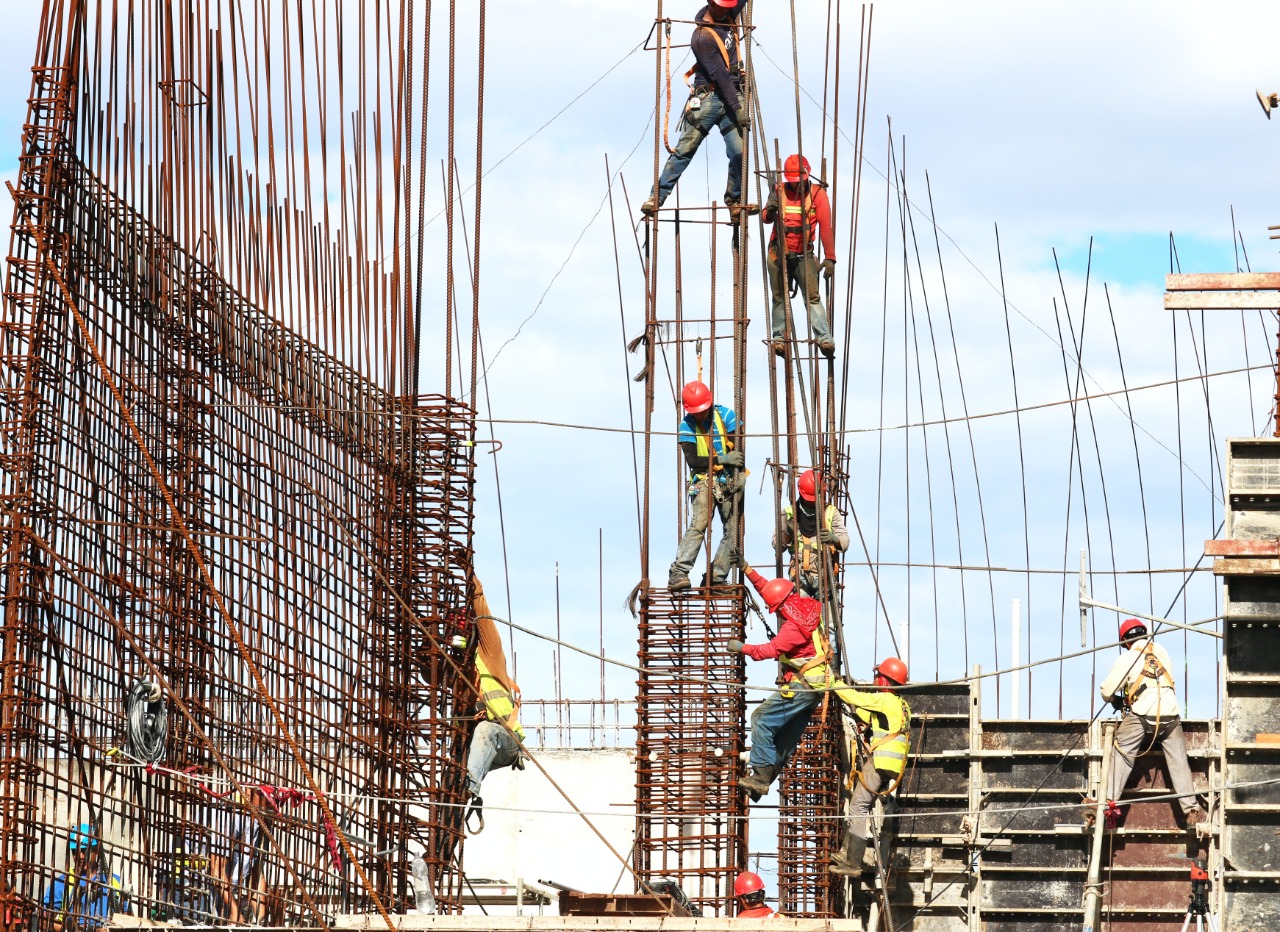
[1141, 685]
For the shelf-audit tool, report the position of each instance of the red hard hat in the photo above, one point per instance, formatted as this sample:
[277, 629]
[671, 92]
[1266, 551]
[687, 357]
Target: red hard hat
[807, 486]
[891, 668]
[796, 169]
[1131, 624]
[696, 397]
[725, 3]
[747, 883]
[775, 592]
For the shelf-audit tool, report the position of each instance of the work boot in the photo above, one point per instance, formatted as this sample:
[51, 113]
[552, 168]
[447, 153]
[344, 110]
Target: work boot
[828, 348]
[678, 582]
[1195, 817]
[736, 209]
[779, 347]
[650, 207]
[758, 780]
[848, 860]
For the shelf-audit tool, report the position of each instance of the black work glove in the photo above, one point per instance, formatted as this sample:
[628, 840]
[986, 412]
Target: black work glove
[735, 459]
[828, 269]
[734, 646]
[1117, 703]
[827, 536]
[741, 118]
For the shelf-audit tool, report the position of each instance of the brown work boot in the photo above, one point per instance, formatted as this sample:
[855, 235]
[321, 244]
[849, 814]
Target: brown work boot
[828, 348]
[779, 347]
[678, 582]
[649, 207]
[1195, 817]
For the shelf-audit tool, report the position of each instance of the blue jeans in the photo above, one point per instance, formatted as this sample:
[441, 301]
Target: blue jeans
[492, 748]
[778, 724]
[697, 124]
[701, 504]
[804, 270]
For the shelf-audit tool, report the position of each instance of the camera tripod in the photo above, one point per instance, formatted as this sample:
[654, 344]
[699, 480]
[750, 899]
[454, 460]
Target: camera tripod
[1199, 905]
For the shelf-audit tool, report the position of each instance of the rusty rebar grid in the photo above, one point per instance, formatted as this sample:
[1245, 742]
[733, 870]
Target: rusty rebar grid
[334, 519]
[809, 829]
[690, 811]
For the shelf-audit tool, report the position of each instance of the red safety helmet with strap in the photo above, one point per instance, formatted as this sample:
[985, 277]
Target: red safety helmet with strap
[775, 592]
[1129, 625]
[893, 670]
[796, 169]
[725, 3]
[747, 883]
[696, 397]
[807, 486]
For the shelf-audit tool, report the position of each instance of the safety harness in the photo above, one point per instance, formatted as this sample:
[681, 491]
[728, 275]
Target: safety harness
[808, 548]
[797, 216]
[706, 443]
[820, 661]
[889, 746]
[1152, 670]
[709, 25]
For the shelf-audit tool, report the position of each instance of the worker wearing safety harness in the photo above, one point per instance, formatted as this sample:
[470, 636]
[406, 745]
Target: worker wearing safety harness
[1141, 685]
[494, 744]
[802, 651]
[813, 535]
[716, 100]
[706, 437]
[804, 210]
[89, 894]
[884, 721]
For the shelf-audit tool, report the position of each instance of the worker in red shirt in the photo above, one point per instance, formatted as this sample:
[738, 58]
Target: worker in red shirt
[801, 647]
[748, 889]
[804, 210]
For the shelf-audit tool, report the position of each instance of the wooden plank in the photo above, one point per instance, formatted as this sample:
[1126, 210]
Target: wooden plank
[1243, 566]
[1221, 300]
[1242, 548]
[1222, 281]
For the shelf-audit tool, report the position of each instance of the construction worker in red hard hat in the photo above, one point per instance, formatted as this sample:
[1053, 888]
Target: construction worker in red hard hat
[1141, 685]
[707, 437]
[804, 209]
[748, 890]
[802, 533]
[717, 99]
[804, 655]
[882, 742]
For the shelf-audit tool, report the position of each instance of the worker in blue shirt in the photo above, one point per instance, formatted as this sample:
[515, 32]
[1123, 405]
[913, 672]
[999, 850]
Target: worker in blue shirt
[716, 101]
[706, 438]
[89, 896]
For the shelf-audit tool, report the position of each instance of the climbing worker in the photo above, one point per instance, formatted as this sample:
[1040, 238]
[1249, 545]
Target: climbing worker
[707, 437]
[806, 567]
[801, 648]
[883, 740]
[87, 896]
[804, 210]
[498, 737]
[748, 890]
[1141, 686]
[716, 100]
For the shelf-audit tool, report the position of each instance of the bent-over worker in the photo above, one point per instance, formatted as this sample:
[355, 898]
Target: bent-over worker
[496, 742]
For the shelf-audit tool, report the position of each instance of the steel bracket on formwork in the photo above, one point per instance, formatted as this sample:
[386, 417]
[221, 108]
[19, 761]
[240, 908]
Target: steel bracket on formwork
[691, 717]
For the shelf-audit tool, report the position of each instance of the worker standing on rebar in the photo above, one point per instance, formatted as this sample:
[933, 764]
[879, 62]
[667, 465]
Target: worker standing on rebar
[801, 648]
[1141, 685]
[748, 890]
[498, 737]
[707, 436]
[717, 99]
[89, 894]
[806, 537]
[883, 741]
[804, 211]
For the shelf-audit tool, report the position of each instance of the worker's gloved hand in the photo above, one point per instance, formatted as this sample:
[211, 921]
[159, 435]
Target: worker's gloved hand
[745, 567]
[827, 536]
[734, 458]
[734, 646]
[828, 269]
[1117, 703]
[741, 118]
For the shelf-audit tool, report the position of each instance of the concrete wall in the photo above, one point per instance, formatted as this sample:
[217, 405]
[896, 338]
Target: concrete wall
[538, 845]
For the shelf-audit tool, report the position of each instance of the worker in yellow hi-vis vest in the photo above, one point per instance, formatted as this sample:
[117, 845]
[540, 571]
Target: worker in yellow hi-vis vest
[805, 534]
[885, 720]
[496, 741]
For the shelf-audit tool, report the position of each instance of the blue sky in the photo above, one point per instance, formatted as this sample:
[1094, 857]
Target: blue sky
[1120, 122]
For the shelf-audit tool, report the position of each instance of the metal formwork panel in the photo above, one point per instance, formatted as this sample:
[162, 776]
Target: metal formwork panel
[1247, 885]
[691, 822]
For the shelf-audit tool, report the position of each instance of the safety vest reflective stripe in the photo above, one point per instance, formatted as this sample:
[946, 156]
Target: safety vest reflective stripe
[796, 213]
[889, 749]
[705, 442]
